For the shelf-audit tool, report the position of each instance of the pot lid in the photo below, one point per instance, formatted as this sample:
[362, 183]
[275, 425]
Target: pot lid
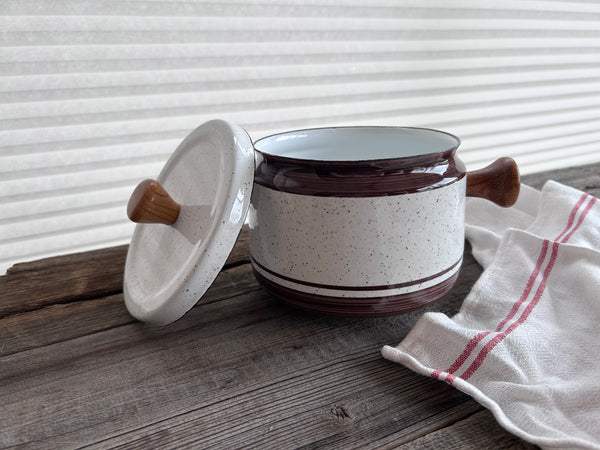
[209, 180]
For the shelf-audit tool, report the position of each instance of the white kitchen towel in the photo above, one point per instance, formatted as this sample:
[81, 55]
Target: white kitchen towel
[526, 341]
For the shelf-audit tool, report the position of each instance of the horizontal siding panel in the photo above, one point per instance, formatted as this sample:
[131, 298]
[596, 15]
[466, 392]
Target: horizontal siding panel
[335, 8]
[250, 62]
[22, 165]
[541, 140]
[16, 55]
[489, 86]
[62, 203]
[175, 29]
[295, 109]
[314, 7]
[489, 119]
[94, 96]
[67, 85]
[30, 187]
[579, 154]
[70, 222]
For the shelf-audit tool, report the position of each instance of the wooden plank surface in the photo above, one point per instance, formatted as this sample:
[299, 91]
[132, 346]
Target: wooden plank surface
[239, 370]
[479, 431]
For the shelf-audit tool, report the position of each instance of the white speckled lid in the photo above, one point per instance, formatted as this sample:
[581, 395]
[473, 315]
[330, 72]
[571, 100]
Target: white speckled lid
[170, 267]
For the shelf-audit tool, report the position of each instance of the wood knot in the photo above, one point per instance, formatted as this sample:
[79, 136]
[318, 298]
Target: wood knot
[340, 412]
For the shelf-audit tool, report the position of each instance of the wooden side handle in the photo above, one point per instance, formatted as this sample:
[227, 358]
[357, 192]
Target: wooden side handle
[150, 203]
[499, 182]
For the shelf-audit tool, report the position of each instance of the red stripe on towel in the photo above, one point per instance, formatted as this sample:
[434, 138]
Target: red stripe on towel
[463, 356]
[500, 337]
[540, 260]
[528, 286]
[565, 235]
[539, 292]
[467, 351]
[572, 216]
[580, 221]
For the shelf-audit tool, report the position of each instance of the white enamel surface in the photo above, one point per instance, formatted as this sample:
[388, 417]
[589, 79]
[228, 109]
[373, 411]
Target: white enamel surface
[357, 143]
[169, 268]
[358, 242]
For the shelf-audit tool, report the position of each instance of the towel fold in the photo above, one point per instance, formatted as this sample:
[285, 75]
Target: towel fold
[526, 341]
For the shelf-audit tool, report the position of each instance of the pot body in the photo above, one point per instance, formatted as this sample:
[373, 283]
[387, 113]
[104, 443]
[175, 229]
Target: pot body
[358, 238]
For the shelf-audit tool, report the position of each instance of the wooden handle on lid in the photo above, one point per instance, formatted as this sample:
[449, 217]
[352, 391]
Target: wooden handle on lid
[499, 182]
[150, 203]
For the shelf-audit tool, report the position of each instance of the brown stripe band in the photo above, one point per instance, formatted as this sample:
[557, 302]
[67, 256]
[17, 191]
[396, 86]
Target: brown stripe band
[358, 288]
[359, 178]
[361, 307]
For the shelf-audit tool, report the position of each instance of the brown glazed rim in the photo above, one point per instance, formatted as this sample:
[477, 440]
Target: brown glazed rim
[359, 308]
[362, 178]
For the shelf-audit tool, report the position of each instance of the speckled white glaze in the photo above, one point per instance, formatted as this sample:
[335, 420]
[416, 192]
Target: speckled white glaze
[169, 268]
[323, 245]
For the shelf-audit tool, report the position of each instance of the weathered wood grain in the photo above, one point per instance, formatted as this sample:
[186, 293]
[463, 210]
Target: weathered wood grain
[62, 279]
[63, 321]
[479, 430]
[82, 276]
[60, 322]
[245, 369]
[584, 178]
[105, 254]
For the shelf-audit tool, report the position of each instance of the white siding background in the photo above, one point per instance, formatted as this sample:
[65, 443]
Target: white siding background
[95, 95]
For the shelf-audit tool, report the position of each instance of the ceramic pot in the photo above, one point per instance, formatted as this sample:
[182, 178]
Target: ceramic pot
[360, 221]
[364, 221]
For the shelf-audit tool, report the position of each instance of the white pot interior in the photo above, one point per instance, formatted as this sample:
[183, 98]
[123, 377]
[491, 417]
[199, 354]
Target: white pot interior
[357, 143]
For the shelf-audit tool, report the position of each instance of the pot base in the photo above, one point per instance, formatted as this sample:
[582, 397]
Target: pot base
[357, 307]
